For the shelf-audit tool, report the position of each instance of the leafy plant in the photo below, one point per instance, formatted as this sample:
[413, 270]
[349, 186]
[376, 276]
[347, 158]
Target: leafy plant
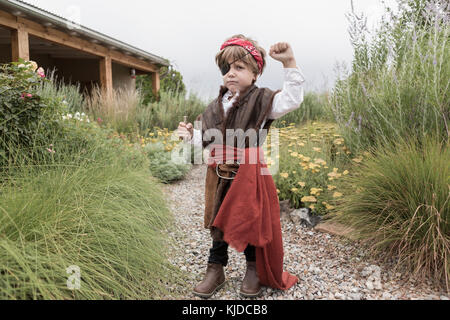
[161, 164]
[398, 85]
[25, 116]
[171, 80]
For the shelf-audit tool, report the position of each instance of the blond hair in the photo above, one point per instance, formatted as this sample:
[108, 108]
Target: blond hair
[232, 53]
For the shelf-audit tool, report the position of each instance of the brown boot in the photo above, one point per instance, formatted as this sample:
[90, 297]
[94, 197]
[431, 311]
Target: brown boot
[214, 280]
[250, 284]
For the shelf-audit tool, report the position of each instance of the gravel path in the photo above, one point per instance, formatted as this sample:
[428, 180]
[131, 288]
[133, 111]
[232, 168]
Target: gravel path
[328, 266]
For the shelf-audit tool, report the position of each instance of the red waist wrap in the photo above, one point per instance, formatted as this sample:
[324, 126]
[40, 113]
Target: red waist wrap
[250, 213]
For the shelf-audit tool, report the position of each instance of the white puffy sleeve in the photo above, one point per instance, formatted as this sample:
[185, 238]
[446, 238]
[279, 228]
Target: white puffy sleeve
[291, 96]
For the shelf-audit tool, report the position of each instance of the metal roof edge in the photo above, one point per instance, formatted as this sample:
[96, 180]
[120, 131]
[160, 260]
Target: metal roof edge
[65, 23]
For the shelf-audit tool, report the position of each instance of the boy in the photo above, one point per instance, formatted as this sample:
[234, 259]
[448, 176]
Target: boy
[243, 106]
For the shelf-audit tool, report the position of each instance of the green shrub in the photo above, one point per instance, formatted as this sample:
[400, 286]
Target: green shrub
[398, 201]
[398, 85]
[171, 80]
[68, 94]
[86, 200]
[104, 218]
[26, 118]
[161, 164]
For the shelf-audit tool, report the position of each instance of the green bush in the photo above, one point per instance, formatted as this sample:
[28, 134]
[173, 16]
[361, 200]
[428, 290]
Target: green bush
[68, 94]
[398, 85]
[26, 118]
[161, 164]
[104, 218]
[86, 200]
[398, 201]
[76, 142]
[171, 80]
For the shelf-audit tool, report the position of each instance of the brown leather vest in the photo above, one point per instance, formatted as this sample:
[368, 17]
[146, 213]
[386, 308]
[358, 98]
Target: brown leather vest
[247, 112]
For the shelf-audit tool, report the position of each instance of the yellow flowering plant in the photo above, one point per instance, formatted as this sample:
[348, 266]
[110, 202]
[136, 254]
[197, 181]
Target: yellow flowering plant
[312, 160]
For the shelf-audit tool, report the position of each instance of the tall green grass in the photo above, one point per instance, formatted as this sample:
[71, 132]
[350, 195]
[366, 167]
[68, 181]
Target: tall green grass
[169, 111]
[399, 82]
[92, 204]
[398, 201]
[315, 106]
[118, 109]
[67, 94]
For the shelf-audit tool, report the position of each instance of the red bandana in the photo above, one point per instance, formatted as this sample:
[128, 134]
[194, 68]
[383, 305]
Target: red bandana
[247, 45]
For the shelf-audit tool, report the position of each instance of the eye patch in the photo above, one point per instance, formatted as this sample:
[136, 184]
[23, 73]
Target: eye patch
[225, 68]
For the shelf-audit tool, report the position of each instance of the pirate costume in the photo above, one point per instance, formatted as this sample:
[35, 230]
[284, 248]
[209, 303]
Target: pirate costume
[241, 202]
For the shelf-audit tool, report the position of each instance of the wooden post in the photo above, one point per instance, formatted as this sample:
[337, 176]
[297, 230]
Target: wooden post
[20, 47]
[155, 83]
[106, 81]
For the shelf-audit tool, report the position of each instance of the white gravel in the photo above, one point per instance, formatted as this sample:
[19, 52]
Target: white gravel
[328, 266]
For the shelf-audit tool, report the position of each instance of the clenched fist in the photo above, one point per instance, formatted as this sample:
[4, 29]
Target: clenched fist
[282, 52]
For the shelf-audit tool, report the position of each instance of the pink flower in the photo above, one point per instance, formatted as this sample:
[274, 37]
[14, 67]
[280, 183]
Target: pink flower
[41, 72]
[51, 149]
[26, 95]
[99, 120]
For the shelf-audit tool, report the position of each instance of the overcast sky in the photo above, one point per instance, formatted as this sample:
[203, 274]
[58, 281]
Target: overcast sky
[189, 33]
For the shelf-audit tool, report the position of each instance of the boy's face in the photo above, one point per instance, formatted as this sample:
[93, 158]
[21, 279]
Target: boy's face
[239, 78]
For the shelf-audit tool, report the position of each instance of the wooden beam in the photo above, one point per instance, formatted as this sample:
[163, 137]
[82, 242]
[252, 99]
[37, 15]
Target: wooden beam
[155, 83]
[62, 38]
[8, 20]
[20, 44]
[106, 80]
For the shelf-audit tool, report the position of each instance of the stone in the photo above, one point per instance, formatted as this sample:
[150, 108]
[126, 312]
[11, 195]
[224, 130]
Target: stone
[339, 295]
[386, 296]
[335, 229]
[355, 296]
[324, 265]
[377, 285]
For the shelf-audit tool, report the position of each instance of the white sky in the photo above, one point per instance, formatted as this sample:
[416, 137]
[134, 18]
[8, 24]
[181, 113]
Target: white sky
[189, 33]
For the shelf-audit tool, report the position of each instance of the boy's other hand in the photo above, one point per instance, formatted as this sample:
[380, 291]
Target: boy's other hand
[282, 52]
[185, 130]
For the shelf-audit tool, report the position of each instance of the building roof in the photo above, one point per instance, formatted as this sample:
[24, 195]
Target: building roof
[29, 11]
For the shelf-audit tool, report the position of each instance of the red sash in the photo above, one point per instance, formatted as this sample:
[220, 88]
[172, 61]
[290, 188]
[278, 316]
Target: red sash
[250, 213]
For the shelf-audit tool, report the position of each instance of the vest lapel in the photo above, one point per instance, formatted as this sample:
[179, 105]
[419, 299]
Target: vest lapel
[240, 100]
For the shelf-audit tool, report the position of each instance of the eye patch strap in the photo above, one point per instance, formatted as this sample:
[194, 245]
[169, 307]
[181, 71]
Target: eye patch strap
[226, 67]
